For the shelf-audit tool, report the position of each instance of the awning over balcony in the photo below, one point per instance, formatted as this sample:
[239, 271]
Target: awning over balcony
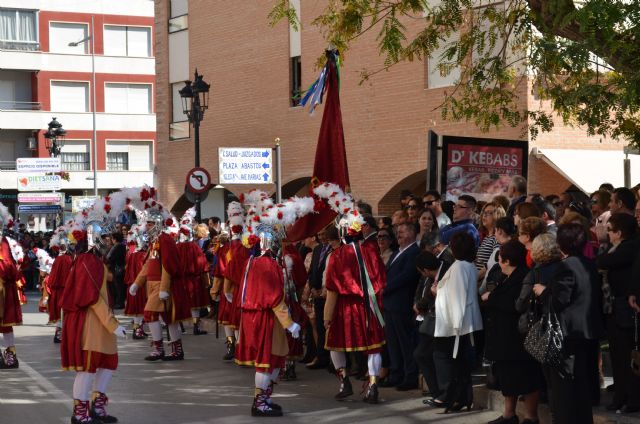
[587, 169]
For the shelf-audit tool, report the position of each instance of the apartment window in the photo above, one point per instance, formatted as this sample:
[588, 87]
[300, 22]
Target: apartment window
[179, 127]
[296, 81]
[63, 33]
[117, 161]
[434, 78]
[179, 19]
[127, 98]
[126, 155]
[127, 41]
[75, 156]
[19, 29]
[69, 96]
[179, 8]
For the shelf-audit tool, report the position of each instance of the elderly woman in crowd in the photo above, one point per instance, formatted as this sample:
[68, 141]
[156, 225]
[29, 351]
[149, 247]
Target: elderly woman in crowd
[528, 229]
[618, 264]
[574, 295]
[505, 231]
[516, 371]
[457, 317]
[428, 232]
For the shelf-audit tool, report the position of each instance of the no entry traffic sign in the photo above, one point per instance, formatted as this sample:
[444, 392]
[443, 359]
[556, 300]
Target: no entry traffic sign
[198, 180]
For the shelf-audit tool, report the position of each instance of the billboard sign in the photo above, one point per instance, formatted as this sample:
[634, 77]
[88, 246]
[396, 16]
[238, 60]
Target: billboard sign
[39, 165]
[481, 167]
[28, 182]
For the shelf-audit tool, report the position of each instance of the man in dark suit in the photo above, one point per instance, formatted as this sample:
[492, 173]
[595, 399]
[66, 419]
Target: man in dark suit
[402, 279]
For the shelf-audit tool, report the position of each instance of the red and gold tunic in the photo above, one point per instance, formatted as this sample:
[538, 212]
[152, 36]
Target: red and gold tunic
[295, 280]
[135, 304]
[57, 279]
[354, 324]
[234, 277]
[161, 273]
[10, 310]
[263, 342]
[195, 274]
[88, 325]
[224, 307]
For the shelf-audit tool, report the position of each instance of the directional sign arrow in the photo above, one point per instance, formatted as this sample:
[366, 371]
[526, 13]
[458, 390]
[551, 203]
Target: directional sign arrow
[265, 176]
[265, 165]
[265, 154]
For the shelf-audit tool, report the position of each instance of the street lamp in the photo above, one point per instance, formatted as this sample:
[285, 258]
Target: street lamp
[93, 109]
[54, 138]
[195, 100]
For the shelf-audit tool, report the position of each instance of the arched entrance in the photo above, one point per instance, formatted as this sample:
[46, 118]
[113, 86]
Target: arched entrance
[416, 183]
[297, 187]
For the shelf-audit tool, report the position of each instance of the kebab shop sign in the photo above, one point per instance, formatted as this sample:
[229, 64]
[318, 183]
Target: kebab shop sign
[482, 171]
[28, 182]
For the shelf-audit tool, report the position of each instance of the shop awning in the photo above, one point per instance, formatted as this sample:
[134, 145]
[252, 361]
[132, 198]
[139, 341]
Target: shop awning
[587, 169]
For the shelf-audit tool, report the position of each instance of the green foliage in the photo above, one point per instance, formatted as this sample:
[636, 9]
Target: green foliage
[582, 57]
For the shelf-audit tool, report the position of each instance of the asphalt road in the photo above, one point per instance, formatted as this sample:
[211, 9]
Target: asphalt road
[201, 389]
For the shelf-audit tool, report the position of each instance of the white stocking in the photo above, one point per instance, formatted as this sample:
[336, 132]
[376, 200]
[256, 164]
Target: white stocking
[339, 359]
[375, 363]
[8, 340]
[262, 380]
[228, 331]
[137, 320]
[236, 333]
[82, 386]
[103, 377]
[274, 374]
[175, 332]
[59, 323]
[156, 331]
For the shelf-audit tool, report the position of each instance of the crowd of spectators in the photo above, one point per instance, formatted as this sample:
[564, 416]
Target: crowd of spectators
[466, 280]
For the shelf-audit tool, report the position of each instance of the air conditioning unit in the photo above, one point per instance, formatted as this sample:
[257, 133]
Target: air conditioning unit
[32, 143]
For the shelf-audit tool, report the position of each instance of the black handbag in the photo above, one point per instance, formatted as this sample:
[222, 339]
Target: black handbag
[545, 341]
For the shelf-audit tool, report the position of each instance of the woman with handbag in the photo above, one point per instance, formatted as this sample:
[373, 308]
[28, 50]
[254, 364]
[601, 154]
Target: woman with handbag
[573, 299]
[617, 262]
[515, 370]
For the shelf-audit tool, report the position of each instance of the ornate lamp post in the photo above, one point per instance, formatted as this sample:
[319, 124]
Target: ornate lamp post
[54, 138]
[195, 100]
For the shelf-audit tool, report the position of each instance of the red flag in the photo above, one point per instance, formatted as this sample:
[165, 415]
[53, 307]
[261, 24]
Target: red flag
[331, 158]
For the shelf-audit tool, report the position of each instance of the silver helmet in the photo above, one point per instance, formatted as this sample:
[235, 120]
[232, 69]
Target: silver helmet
[96, 233]
[155, 225]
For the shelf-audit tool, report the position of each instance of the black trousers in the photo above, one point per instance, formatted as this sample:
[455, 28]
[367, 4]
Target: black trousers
[399, 330]
[627, 384]
[423, 355]
[570, 397]
[321, 353]
[458, 388]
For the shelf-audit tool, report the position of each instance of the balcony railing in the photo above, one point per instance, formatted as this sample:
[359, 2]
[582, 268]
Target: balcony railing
[30, 46]
[7, 165]
[13, 105]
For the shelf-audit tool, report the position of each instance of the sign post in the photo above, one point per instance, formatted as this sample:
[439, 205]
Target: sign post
[198, 182]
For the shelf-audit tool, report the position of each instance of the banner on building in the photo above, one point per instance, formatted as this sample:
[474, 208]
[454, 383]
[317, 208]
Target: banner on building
[79, 203]
[481, 167]
[39, 182]
[38, 165]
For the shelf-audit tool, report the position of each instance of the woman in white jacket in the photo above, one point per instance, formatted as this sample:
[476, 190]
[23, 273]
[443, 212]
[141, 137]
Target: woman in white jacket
[457, 317]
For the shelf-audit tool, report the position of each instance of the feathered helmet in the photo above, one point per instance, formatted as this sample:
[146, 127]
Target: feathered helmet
[16, 251]
[137, 236]
[45, 262]
[266, 221]
[349, 220]
[236, 215]
[186, 225]
[6, 220]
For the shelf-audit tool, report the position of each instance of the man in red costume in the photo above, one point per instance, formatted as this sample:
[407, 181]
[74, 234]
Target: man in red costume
[221, 250]
[236, 262]
[167, 298]
[355, 278]
[10, 310]
[89, 344]
[265, 317]
[136, 256]
[295, 278]
[59, 273]
[195, 274]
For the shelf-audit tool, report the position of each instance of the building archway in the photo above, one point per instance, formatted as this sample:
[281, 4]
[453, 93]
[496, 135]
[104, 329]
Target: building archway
[416, 183]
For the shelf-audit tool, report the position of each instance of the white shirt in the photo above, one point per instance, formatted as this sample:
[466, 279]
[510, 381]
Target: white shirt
[457, 307]
[443, 220]
[402, 249]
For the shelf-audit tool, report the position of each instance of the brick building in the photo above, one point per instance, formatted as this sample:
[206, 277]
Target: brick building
[46, 56]
[253, 69]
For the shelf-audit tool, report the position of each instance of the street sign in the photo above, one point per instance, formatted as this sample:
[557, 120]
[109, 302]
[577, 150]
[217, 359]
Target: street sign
[246, 165]
[191, 197]
[80, 203]
[41, 165]
[28, 182]
[40, 198]
[198, 180]
[39, 209]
